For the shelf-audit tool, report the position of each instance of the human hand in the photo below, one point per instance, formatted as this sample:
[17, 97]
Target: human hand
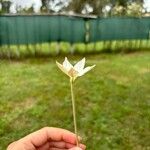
[47, 138]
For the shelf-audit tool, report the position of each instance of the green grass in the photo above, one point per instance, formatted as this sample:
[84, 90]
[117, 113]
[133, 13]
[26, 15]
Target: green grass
[113, 100]
[54, 48]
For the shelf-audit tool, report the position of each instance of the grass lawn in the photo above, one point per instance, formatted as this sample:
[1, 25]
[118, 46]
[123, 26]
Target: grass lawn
[113, 100]
[55, 48]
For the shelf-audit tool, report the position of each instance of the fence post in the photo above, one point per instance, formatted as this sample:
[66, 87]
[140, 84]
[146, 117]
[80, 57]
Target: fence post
[87, 32]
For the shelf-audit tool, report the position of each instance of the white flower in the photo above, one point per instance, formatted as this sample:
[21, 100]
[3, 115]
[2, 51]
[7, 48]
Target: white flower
[74, 71]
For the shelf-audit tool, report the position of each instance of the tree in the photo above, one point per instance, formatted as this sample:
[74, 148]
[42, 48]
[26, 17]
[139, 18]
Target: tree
[134, 9]
[122, 3]
[44, 7]
[5, 6]
[127, 8]
[97, 5]
[77, 6]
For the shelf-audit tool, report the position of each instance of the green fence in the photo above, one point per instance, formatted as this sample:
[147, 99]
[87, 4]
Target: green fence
[36, 33]
[39, 29]
[119, 29]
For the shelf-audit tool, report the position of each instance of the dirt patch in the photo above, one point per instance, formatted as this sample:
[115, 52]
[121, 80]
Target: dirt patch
[144, 70]
[19, 108]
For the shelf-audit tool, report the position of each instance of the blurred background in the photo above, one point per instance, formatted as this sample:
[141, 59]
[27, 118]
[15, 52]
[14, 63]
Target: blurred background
[94, 7]
[50, 27]
[113, 100]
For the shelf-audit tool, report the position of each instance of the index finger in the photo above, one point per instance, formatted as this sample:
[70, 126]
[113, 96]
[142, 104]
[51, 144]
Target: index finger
[45, 134]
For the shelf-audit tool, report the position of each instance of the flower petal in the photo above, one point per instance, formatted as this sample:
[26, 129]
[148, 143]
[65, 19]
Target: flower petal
[86, 70]
[67, 65]
[79, 65]
[62, 68]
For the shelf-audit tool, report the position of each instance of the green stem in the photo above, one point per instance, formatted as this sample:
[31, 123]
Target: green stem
[74, 111]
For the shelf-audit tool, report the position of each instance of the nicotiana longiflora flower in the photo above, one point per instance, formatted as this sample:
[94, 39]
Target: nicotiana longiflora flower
[73, 72]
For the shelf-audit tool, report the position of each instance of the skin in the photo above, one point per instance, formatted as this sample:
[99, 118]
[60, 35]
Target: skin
[47, 138]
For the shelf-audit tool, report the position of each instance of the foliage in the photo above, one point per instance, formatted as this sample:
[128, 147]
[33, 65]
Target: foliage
[94, 7]
[118, 10]
[5, 4]
[134, 9]
[113, 100]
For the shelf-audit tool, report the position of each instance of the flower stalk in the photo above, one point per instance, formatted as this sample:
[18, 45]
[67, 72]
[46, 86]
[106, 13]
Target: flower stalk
[74, 71]
[74, 111]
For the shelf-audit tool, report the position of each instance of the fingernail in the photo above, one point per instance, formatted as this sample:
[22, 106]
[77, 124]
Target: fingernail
[82, 146]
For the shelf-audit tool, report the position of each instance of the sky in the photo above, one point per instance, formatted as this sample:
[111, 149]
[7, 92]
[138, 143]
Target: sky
[26, 4]
[147, 5]
[37, 4]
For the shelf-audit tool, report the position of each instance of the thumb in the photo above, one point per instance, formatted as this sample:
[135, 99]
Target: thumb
[75, 148]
